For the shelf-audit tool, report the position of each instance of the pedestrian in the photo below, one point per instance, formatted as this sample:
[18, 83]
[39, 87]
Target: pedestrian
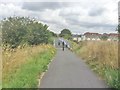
[59, 43]
[63, 45]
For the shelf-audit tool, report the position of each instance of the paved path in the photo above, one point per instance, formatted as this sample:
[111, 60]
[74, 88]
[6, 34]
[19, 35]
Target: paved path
[69, 71]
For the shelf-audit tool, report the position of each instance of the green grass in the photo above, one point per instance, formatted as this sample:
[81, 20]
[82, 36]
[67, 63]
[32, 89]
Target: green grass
[112, 77]
[0, 86]
[27, 75]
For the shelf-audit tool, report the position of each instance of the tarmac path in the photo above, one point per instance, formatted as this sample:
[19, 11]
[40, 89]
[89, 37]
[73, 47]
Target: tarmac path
[69, 71]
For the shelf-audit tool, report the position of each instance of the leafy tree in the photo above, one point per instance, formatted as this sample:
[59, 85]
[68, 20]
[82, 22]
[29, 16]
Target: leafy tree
[23, 30]
[13, 31]
[66, 33]
[53, 34]
[119, 28]
[104, 36]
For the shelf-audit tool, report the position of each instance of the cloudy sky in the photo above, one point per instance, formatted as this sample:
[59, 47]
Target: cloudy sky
[79, 16]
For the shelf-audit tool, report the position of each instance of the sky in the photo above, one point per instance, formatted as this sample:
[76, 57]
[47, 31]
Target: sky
[79, 16]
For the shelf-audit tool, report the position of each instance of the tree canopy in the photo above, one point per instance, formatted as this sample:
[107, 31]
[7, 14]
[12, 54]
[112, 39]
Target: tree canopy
[119, 28]
[66, 33]
[24, 30]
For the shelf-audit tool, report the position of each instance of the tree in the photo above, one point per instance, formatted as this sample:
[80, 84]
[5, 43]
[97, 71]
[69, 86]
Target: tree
[118, 28]
[66, 33]
[104, 36]
[13, 31]
[53, 34]
[23, 30]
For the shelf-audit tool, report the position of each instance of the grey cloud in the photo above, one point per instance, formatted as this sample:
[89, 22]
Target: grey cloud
[92, 24]
[96, 11]
[119, 8]
[71, 20]
[38, 6]
[65, 14]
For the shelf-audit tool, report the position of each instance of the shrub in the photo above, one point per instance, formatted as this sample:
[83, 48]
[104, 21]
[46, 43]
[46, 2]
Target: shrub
[23, 30]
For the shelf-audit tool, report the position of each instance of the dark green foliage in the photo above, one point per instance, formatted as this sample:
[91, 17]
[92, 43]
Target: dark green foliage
[53, 34]
[13, 31]
[104, 37]
[119, 28]
[66, 33]
[23, 30]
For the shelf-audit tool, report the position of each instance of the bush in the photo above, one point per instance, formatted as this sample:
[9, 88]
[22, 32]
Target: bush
[23, 30]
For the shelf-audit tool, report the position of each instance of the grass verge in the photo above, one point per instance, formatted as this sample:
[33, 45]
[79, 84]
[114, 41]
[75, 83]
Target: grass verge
[102, 57]
[28, 73]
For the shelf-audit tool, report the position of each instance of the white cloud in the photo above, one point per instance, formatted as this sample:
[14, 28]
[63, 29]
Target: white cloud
[96, 16]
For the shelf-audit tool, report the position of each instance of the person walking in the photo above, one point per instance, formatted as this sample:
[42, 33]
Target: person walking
[59, 43]
[63, 43]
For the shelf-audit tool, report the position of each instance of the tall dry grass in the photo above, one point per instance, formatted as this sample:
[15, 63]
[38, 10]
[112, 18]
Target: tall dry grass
[0, 67]
[102, 57]
[13, 59]
[106, 53]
